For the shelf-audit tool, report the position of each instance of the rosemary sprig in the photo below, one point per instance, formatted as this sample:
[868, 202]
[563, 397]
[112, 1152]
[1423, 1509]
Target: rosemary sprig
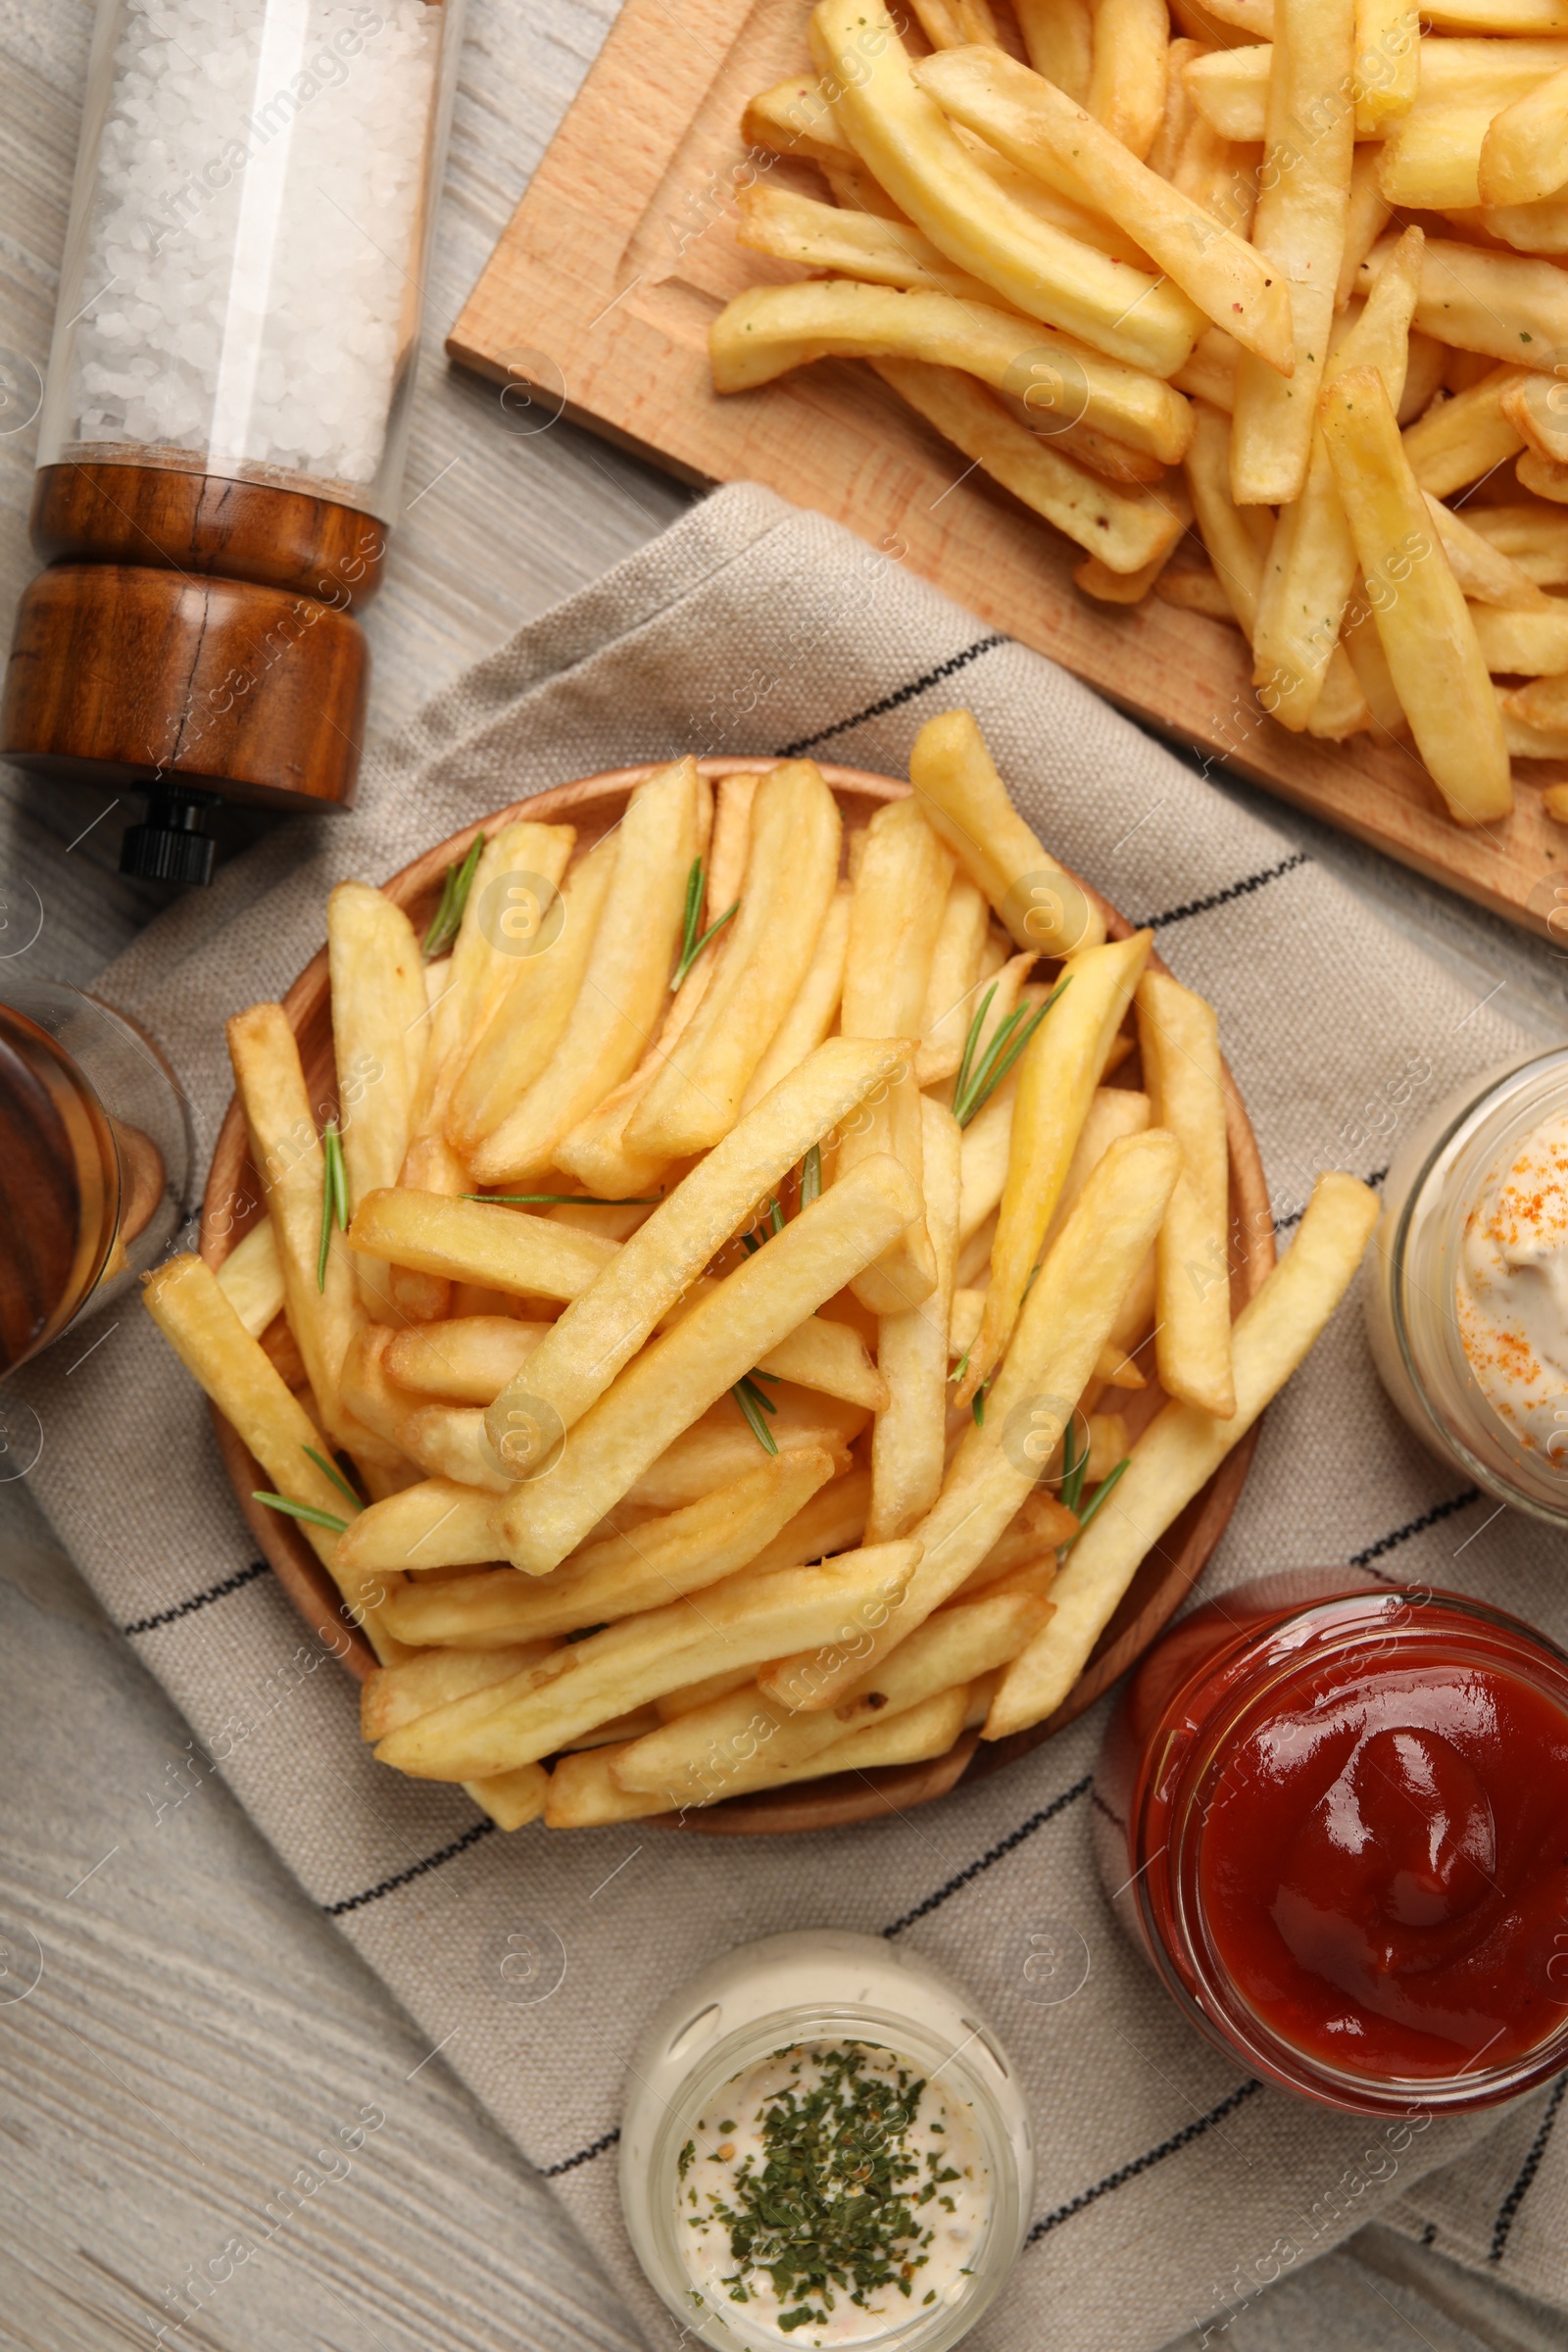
[691, 946]
[978, 1082]
[560, 1200]
[1096, 1500]
[332, 1471]
[811, 1176]
[334, 1196]
[754, 1404]
[963, 1364]
[775, 1214]
[978, 1407]
[300, 1510]
[448, 916]
[1074, 1464]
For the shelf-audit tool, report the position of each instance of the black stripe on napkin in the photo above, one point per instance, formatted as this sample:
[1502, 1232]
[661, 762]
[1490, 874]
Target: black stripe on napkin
[1140, 2164]
[1223, 898]
[198, 1600]
[1415, 1527]
[416, 1869]
[995, 1853]
[569, 2163]
[894, 701]
[1508, 2210]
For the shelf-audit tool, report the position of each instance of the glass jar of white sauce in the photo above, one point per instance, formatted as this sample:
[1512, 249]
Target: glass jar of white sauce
[887, 2094]
[1467, 1293]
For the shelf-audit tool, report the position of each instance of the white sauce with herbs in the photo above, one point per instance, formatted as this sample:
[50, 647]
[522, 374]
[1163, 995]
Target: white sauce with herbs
[1512, 1291]
[831, 2194]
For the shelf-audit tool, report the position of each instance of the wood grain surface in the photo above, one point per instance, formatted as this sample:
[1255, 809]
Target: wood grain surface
[597, 300]
[1174, 1563]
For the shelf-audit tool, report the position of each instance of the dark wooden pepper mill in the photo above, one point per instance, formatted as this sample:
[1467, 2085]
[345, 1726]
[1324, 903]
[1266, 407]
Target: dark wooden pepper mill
[195, 638]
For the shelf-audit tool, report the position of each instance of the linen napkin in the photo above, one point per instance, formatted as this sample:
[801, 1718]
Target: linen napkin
[1171, 2187]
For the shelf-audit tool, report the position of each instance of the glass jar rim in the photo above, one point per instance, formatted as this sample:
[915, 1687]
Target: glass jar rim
[839, 2021]
[1501, 1086]
[1209, 1995]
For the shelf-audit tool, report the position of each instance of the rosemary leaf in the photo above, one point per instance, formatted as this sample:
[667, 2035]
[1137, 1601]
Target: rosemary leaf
[691, 946]
[811, 1176]
[963, 1364]
[1000, 1057]
[454, 900]
[971, 1041]
[334, 1196]
[300, 1510]
[332, 1471]
[978, 1407]
[753, 1404]
[1096, 1500]
[1074, 1464]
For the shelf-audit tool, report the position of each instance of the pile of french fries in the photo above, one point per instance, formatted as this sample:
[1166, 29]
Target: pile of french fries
[1250, 314]
[739, 1322]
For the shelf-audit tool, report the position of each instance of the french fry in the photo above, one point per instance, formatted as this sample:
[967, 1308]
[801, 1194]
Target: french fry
[644, 1279]
[1536, 406]
[474, 1241]
[834, 1520]
[908, 1444]
[1542, 703]
[468, 1361]
[448, 1441]
[379, 1033]
[794, 118]
[512, 1049]
[1311, 567]
[435, 1524]
[1423, 377]
[1299, 229]
[1030, 1543]
[1388, 65]
[624, 985]
[1185, 1078]
[901, 135]
[584, 1793]
[1060, 1068]
[1526, 645]
[1218, 173]
[1059, 36]
[1127, 79]
[1545, 477]
[676, 1379]
[738, 1623]
[1459, 440]
[620, 1576]
[1066, 1321]
[1176, 120]
[251, 1277]
[1366, 213]
[1554, 800]
[1231, 86]
[371, 1400]
[815, 1008]
[1508, 306]
[742, 1740]
[1198, 590]
[510, 902]
[1184, 1447]
[857, 245]
[1237, 545]
[513, 1798]
[1525, 152]
[720, 1447]
[1527, 742]
[767, 330]
[1125, 523]
[1041, 130]
[1421, 614]
[287, 1152]
[951, 991]
[964, 799]
[1433, 157]
[791, 876]
[896, 912]
[1211, 373]
[429, 1678]
[1535, 538]
[183, 1299]
[822, 1353]
[1485, 573]
[948, 23]
[1498, 16]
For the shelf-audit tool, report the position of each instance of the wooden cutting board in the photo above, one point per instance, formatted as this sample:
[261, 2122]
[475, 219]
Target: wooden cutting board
[597, 303]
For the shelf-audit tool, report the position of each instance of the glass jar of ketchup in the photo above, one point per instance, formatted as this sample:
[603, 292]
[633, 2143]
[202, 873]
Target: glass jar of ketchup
[1336, 1821]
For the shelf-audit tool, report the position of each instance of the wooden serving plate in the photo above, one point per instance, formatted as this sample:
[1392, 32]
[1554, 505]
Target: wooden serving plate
[596, 304]
[234, 1196]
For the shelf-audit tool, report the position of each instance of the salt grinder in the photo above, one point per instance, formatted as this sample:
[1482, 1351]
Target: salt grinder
[224, 419]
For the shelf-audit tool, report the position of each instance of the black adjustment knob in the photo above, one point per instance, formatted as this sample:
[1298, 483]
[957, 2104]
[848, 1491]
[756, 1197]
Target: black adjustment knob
[171, 845]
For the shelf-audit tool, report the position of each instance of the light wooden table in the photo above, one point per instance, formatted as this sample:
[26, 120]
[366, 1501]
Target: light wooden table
[200, 2027]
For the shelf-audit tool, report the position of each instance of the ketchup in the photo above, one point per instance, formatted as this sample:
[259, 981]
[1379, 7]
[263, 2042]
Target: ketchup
[1337, 1823]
